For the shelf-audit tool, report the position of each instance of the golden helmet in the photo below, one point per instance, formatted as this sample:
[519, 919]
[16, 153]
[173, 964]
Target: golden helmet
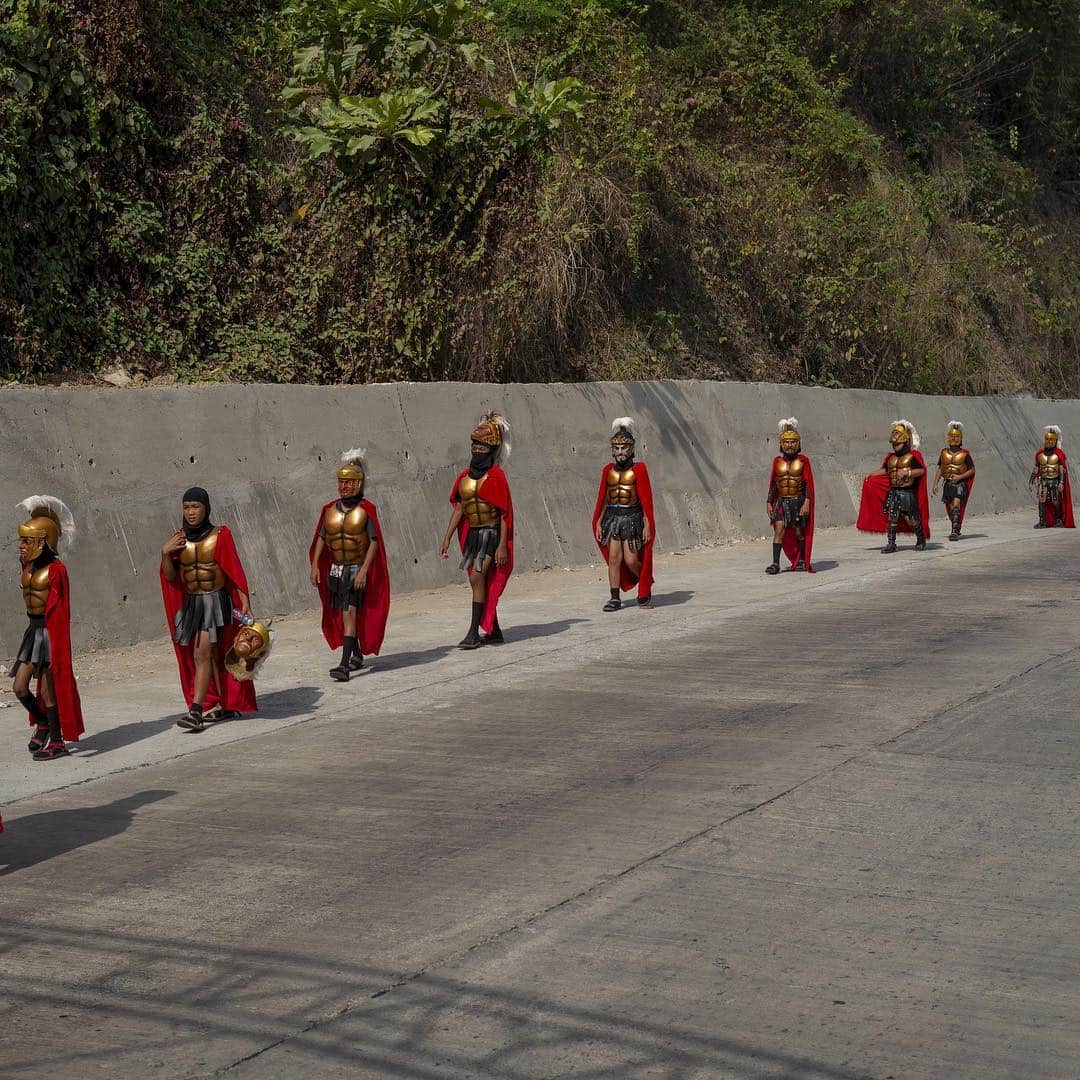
[352, 466]
[250, 648]
[494, 431]
[789, 434]
[1052, 436]
[904, 431]
[623, 430]
[48, 519]
[955, 433]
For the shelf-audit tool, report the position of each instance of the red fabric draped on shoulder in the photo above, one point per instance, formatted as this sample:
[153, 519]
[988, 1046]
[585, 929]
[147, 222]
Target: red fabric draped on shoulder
[627, 580]
[872, 504]
[58, 625]
[235, 695]
[494, 489]
[375, 610]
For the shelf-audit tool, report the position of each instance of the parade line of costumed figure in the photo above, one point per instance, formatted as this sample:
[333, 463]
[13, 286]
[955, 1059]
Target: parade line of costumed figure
[790, 502]
[45, 652]
[1052, 473]
[348, 567]
[956, 467]
[203, 583]
[894, 496]
[623, 521]
[483, 516]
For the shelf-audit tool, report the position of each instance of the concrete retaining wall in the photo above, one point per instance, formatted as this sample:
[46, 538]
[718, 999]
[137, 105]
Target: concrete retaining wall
[267, 454]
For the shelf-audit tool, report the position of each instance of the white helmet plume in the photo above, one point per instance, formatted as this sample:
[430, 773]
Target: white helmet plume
[791, 422]
[955, 424]
[1057, 431]
[37, 503]
[355, 456]
[916, 442]
[624, 423]
[505, 447]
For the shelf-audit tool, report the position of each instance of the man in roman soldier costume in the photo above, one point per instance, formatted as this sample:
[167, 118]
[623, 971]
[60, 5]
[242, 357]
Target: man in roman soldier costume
[55, 711]
[203, 583]
[1052, 474]
[956, 467]
[894, 496]
[483, 517]
[623, 520]
[790, 502]
[348, 567]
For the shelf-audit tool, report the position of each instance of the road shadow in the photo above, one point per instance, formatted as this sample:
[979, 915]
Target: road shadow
[102, 742]
[823, 566]
[37, 838]
[284, 704]
[672, 599]
[336, 1017]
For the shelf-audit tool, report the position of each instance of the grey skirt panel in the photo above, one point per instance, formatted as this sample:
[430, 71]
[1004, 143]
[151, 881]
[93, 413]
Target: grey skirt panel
[211, 612]
[787, 509]
[34, 647]
[479, 544]
[625, 523]
[902, 502]
[952, 491]
[341, 586]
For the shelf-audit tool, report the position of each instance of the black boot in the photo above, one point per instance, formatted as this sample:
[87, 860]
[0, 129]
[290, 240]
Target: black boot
[801, 563]
[1059, 520]
[774, 566]
[55, 747]
[955, 515]
[473, 640]
[614, 603]
[1041, 524]
[341, 672]
[920, 538]
[41, 724]
[890, 540]
[496, 635]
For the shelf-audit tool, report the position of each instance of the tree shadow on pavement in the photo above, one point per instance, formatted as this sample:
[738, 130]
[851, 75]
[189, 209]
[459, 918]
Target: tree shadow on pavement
[37, 838]
[333, 1017]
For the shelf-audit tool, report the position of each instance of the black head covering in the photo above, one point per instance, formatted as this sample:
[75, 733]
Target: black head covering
[197, 532]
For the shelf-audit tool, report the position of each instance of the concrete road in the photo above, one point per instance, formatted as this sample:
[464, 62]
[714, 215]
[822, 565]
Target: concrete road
[808, 826]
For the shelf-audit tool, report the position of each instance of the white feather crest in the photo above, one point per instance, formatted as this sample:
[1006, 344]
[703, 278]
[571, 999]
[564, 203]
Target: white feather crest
[356, 454]
[954, 424]
[50, 502]
[625, 422]
[788, 422]
[916, 442]
[1055, 429]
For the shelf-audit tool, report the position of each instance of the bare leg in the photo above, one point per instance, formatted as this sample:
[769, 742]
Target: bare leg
[777, 544]
[204, 667]
[614, 563]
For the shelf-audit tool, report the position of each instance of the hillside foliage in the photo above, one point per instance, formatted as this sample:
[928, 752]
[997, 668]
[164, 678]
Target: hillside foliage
[878, 193]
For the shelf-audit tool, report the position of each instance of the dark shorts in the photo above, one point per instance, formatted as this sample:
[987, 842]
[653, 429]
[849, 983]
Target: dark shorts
[952, 491]
[625, 523]
[902, 502]
[1050, 489]
[479, 544]
[211, 611]
[341, 586]
[34, 647]
[786, 509]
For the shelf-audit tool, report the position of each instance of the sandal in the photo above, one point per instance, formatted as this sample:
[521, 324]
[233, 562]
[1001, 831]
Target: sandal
[38, 739]
[51, 752]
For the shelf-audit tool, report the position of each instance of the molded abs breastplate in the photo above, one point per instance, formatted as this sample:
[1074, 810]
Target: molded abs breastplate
[346, 534]
[477, 511]
[953, 463]
[790, 481]
[198, 566]
[1049, 465]
[897, 462]
[621, 487]
[35, 587]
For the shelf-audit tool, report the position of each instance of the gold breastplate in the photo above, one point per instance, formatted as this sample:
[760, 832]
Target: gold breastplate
[35, 588]
[1049, 465]
[953, 463]
[198, 566]
[895, 464]
[621, 487]
[790, 478]
[345, 532]
[477, 511]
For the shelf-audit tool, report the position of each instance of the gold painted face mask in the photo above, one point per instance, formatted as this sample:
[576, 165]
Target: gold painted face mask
[955, 438]
[790, 443]
[1050, 441]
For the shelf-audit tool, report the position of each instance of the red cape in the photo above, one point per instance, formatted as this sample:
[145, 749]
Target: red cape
[872, 505]
[1066, 495]
[237, 695]
[791, 541]
[376, 607]
[964, 501]
[497, 492]
[58, 625]
[627, 581]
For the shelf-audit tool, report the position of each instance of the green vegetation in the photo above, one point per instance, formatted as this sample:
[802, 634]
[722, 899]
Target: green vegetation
[877, 194]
